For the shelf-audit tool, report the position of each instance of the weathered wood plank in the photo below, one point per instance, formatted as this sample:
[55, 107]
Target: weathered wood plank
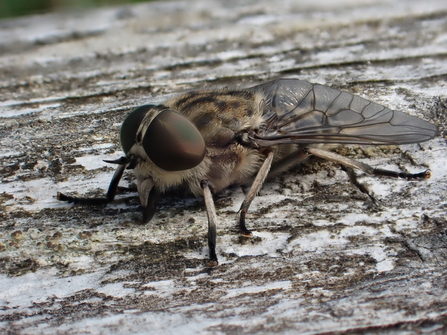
[325, 259]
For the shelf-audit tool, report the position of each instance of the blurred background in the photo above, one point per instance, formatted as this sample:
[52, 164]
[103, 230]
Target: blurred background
[11, 8]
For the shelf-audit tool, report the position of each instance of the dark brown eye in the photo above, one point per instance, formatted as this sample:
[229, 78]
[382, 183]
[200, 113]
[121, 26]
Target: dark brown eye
[173, 143]
[130, 126]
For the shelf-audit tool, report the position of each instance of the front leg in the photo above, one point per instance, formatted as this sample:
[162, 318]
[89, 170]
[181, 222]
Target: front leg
[254, 190]
[97, 201]
[212, 219]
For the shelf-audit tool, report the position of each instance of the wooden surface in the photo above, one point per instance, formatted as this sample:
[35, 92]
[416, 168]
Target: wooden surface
[324, 258]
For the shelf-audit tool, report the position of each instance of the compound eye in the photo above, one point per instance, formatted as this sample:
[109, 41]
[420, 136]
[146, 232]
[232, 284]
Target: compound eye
[173, 143]
[130, 126]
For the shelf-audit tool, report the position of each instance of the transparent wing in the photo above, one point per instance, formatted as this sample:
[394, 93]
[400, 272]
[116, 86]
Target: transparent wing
[301, 112]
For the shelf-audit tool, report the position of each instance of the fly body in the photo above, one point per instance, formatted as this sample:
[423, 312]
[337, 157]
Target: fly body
[221, 117]
[208, 140]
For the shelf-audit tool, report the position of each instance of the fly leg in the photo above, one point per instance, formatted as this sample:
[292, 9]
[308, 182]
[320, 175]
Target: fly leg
[287, 162]
[212, 219]
[254, 189]
[111, 192]
[353, 178]
[350, 163]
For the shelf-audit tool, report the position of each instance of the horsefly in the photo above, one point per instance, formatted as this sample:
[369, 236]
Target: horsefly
[208, 140]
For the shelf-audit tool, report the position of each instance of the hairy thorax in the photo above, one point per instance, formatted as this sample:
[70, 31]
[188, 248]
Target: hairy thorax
[222, 117]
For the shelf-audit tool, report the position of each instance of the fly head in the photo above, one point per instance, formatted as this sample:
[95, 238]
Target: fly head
[169, 140]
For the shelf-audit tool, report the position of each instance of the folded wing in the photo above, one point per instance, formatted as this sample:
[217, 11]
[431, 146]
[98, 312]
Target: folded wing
[301, 112]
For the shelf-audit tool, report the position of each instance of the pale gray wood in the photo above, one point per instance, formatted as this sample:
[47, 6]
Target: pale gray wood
[324, 258]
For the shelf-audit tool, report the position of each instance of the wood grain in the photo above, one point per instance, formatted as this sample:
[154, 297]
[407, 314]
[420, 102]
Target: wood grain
[325, 259]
